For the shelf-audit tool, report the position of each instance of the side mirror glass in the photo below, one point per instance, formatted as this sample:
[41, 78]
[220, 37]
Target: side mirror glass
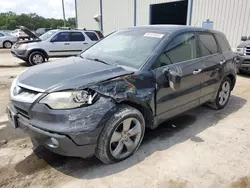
[174, 79]
[244, 38]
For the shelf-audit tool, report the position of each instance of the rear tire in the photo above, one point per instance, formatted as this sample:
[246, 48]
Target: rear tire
[121, 136]
[36, 58]
[223, 94]
[7, 44]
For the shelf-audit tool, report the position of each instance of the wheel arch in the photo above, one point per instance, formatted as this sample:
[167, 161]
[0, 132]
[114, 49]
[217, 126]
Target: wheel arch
[233, 80]
[39, 50]
[145, 111]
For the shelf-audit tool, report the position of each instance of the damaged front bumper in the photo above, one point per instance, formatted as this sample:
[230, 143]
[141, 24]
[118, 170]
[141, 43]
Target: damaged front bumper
[66, 132]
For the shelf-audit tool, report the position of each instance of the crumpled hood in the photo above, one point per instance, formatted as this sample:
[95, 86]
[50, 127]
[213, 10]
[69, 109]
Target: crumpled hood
[69, 73]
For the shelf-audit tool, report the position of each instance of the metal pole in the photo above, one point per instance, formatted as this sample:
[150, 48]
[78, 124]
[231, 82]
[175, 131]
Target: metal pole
[76, 19]
[190, 12]
[64, 19]
[135, 12]
[101, 21]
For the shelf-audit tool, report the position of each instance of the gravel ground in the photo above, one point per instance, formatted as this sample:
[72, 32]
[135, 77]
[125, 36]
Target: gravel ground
[202, 148]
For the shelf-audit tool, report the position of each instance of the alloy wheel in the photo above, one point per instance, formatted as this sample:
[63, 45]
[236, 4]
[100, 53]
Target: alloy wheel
[37, 59]
[125, 138]
[7, 44]
[224, 93]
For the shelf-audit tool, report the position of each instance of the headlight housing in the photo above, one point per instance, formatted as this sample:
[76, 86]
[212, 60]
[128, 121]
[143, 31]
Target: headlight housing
[240, 51]
[70, 99]
[23, 47]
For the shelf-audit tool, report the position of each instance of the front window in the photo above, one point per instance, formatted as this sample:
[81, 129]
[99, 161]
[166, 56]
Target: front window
[47, 35]
[180, 49]
[126, 48]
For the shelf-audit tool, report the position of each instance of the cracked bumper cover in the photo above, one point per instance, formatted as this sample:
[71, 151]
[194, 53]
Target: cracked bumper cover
[76, 130]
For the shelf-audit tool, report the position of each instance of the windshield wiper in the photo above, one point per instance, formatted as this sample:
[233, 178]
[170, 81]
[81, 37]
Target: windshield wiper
[98, 60]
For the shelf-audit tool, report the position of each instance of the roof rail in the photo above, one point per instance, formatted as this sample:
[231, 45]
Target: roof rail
[64, 28]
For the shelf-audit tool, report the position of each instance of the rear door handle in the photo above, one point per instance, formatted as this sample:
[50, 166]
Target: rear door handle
[66, 43]
[197, 71]
[222, 62]
[85, 43]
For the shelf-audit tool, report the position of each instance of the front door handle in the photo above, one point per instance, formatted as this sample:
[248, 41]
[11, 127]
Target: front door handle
[197, 71]
[222, 62]
[85, 43]
[66, 43]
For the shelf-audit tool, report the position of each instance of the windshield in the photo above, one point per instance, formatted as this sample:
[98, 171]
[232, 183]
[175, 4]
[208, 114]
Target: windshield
[47, 35]
[129, 48]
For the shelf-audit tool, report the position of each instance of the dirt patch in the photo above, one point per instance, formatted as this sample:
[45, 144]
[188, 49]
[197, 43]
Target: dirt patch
[243, 182]
[173, 184]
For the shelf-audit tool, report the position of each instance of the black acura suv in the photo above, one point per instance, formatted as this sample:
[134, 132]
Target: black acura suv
[100, 102]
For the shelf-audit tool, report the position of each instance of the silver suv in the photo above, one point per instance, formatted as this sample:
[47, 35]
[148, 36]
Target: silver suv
[54, 43]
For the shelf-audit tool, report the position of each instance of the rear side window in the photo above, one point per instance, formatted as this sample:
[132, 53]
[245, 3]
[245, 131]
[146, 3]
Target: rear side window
[61, 37]
[92, 36]
[208, 45]
[223, 42]
[77, 36]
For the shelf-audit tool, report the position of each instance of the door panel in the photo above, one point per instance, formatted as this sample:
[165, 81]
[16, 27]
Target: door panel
[59, 45]
[181, 57]
[210, 76]
[212, 65]
[169, 101]
[78, 42]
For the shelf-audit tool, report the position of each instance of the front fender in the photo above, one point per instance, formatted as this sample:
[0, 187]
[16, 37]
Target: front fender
[136, 88]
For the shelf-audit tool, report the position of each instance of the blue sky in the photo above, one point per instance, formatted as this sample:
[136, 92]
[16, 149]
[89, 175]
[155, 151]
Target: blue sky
[45, 8]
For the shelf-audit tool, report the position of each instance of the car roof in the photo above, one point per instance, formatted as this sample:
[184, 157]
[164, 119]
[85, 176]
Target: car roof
[72, 30]
[172, 28]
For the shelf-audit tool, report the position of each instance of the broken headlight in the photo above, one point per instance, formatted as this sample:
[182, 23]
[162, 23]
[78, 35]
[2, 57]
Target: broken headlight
[69, 99]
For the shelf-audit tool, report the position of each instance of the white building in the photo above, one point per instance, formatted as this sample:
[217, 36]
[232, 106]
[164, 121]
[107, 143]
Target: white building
[229, 16]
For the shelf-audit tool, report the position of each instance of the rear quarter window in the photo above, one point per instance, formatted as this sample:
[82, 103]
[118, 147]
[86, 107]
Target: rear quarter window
[92, 36]
[223, 42]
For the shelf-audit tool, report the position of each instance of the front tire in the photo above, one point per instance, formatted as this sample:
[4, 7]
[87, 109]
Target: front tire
[121, 136]
[223, 94]
[7, 44]
[36, 58]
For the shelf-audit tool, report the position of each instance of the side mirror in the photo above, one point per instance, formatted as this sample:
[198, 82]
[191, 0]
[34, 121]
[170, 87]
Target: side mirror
[244, 38]
[173, 78]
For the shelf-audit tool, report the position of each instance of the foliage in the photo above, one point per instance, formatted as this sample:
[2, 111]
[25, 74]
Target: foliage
[10, 21]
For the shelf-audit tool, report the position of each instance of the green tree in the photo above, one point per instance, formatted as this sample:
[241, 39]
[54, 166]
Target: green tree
[10, 21]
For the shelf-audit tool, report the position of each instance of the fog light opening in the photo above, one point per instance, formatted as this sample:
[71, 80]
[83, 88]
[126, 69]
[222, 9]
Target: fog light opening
[53, 143]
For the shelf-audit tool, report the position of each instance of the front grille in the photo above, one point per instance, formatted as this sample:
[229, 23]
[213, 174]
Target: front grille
[23, 92]
[22, 112]
[247, 50]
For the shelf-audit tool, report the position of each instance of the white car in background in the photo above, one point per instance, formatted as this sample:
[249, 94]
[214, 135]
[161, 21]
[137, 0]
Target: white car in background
[20, 34]
[54, 43]
[7, 40]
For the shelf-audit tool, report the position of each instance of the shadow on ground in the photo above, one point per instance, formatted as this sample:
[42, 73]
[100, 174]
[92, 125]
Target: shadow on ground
[177, 130]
